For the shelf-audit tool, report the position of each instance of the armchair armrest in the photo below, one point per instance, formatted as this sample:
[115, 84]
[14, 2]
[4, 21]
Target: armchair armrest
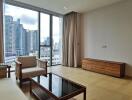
[18, 70]
[42, 64]
[17, 62]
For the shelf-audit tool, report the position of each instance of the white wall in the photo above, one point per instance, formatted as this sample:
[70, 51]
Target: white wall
[107, 34]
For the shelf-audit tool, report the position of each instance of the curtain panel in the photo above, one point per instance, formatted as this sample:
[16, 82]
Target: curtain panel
[1, 32]
[71, 40]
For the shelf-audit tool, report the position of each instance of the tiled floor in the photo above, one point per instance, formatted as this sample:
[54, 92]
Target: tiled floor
[99, 87]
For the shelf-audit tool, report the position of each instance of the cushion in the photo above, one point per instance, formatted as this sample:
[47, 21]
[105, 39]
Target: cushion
[27, 61]
[32, 72]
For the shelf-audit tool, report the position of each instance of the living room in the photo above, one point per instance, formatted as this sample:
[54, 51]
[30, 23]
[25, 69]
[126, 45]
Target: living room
[82, 48]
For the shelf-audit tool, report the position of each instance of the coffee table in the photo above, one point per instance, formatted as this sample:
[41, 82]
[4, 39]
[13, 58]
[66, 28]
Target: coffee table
[55, 87]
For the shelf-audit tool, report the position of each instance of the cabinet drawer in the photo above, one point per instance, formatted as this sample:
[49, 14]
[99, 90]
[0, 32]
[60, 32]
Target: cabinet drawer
[113, 68]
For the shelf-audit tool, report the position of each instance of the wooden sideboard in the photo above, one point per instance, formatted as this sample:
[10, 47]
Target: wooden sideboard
[112, 68]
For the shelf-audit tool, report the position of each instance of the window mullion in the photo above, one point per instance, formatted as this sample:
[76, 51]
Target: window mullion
[51, 22]
[39, 33]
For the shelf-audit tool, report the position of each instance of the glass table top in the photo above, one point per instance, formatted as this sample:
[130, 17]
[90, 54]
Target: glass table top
[58, 85]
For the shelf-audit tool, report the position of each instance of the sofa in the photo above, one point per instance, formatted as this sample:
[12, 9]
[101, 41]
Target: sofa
[10, 91]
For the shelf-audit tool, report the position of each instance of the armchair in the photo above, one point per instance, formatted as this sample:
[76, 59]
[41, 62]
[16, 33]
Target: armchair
[28, 67]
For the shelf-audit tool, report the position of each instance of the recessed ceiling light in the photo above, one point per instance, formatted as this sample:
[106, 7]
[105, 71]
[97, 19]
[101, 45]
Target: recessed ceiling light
[65, 8]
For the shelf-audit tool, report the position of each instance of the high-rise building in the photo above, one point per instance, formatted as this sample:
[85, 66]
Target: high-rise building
[32, 41]
[18, 37]
[9, 36]
[47, 41]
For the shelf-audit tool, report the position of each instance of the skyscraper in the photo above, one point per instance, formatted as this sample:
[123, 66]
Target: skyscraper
[9, 36]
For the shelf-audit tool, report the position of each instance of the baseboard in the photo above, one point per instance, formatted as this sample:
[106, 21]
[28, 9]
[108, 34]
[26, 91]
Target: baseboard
[127, 76]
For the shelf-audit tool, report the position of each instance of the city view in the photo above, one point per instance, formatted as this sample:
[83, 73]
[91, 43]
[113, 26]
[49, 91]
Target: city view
[20, 39]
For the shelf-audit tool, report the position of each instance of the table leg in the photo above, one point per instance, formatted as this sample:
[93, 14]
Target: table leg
[30, 86]
[84, 95]
[38, 78]
[9, 71]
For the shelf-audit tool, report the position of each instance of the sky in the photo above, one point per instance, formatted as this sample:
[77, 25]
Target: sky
[29, 19]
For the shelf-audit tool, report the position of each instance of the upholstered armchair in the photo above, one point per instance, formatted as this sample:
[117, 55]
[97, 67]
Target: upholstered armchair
[28, 67]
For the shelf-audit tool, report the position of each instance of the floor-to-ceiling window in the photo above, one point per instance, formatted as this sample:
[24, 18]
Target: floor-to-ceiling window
[45, 46]
[31, 32]
[21, 32]
[51, 38]
[56, 40]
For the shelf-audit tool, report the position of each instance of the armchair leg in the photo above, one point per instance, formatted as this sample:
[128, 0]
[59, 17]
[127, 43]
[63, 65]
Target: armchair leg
[20, 83]
[38, 79]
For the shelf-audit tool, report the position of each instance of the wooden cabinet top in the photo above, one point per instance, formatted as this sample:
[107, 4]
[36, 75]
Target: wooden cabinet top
[105, 61]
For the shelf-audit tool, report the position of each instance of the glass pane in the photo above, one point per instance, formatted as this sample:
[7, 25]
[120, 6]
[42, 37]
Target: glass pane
[44, 29]
[45, 54]
[20, 32]
[57, 41]
[58, 86]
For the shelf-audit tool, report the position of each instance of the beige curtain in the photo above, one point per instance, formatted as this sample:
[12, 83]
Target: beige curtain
[1, 31]
[71, 40]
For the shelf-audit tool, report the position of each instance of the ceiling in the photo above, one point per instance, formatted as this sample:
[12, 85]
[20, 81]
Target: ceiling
[65, 6]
